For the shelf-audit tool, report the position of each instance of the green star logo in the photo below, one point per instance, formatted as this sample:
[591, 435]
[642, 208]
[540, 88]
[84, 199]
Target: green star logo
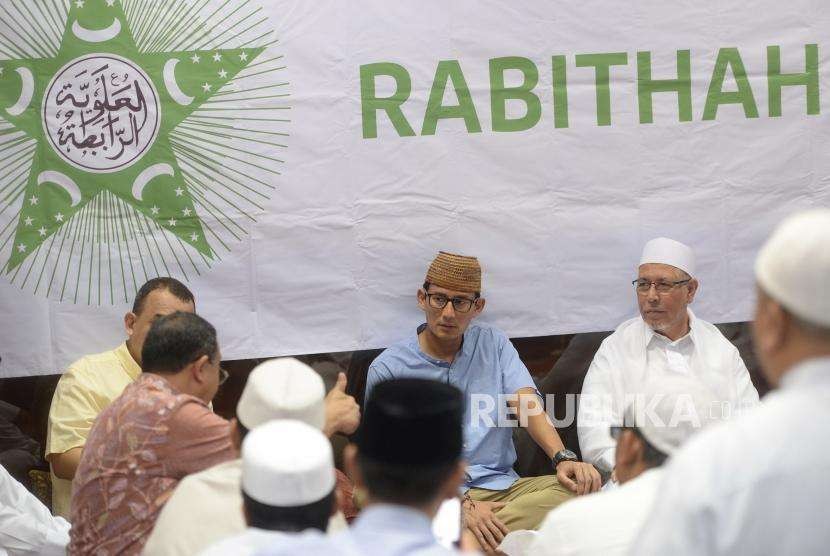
[133, 127]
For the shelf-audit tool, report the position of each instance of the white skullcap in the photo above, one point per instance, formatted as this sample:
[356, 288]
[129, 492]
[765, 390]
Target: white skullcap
[671, 409]
[793, 266]
[668, 251]
[287, 463]
[282, 389]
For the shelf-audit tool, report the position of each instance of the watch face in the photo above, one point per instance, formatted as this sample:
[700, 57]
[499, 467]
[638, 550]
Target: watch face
[564, 455]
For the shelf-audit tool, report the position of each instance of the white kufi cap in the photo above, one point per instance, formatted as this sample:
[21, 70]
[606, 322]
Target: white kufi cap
[793, 266]
[668, 251]
[282, 389]
[287, 463]
[672, 408]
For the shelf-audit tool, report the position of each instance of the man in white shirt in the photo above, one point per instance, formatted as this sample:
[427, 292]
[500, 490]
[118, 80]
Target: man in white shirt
[657, 423]
[759, 485]
[26, 525]
[287, 486]
[666, 339]
[207, 506]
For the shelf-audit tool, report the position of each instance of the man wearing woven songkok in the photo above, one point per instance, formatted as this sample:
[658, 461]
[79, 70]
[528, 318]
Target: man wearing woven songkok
[482, 363]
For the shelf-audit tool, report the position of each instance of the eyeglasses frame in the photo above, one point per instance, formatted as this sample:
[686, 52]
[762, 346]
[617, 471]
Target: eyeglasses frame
[651, 283]
[452, 300]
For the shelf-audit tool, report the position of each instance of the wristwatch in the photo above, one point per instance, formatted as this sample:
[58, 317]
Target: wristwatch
[563, 455]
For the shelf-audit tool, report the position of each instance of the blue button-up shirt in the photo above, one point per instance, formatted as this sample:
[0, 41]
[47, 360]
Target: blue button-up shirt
[486, 367]
[379, 530]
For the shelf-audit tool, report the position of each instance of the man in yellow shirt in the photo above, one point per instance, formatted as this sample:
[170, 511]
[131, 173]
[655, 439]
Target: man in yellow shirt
[91, 383]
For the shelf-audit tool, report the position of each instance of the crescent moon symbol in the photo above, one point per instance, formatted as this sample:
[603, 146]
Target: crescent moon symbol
[62, 180]
[102, 35]
[148, 174]
[26, 92]
[172, 86]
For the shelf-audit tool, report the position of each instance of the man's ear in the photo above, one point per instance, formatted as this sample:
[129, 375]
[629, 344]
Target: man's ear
[629, 448]
[693, 286]
[199, 369]
[129, 322]
[479, 304]
[776, 324]
[422, 298]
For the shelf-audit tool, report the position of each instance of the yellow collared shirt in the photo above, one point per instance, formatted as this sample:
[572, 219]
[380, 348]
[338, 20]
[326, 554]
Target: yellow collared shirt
[87, 387]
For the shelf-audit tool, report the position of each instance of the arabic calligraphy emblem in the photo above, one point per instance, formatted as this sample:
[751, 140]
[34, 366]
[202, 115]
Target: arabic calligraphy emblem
[101, 113]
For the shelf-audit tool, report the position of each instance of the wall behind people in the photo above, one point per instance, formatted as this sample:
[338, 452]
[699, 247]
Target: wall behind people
[573, 133]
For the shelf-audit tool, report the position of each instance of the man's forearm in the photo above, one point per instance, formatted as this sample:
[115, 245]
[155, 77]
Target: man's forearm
[530, 411]
[544, 434]
[579, 478]
[66, 464]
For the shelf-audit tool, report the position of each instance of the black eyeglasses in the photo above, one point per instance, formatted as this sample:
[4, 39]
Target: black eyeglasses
[662, 286]
[459, 304]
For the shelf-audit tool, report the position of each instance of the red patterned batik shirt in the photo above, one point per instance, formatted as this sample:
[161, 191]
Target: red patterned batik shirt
[138, 450]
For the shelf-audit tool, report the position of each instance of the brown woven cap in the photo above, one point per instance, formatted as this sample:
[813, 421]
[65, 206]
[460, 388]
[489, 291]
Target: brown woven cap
[455, 272]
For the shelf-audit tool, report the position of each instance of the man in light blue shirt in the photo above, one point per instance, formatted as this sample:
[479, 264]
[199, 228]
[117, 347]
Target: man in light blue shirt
[484, 365]
[407, 459]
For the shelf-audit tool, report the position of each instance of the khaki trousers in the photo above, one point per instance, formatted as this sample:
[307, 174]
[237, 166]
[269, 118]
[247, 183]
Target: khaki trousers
[528, 500]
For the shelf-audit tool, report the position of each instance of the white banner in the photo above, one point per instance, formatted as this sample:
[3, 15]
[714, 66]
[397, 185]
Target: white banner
[299, 164]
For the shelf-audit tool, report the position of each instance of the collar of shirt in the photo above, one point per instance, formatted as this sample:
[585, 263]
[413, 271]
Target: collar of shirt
[416, 347]
[130, 366]
[651, 335]
[809, 373]
[394, 519]
[158, 382]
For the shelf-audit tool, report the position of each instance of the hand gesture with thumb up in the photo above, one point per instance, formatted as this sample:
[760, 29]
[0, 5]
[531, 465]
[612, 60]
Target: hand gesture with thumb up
[342, 411]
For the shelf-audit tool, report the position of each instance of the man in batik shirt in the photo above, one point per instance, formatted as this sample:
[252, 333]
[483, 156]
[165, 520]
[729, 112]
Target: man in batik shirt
[157, 432]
